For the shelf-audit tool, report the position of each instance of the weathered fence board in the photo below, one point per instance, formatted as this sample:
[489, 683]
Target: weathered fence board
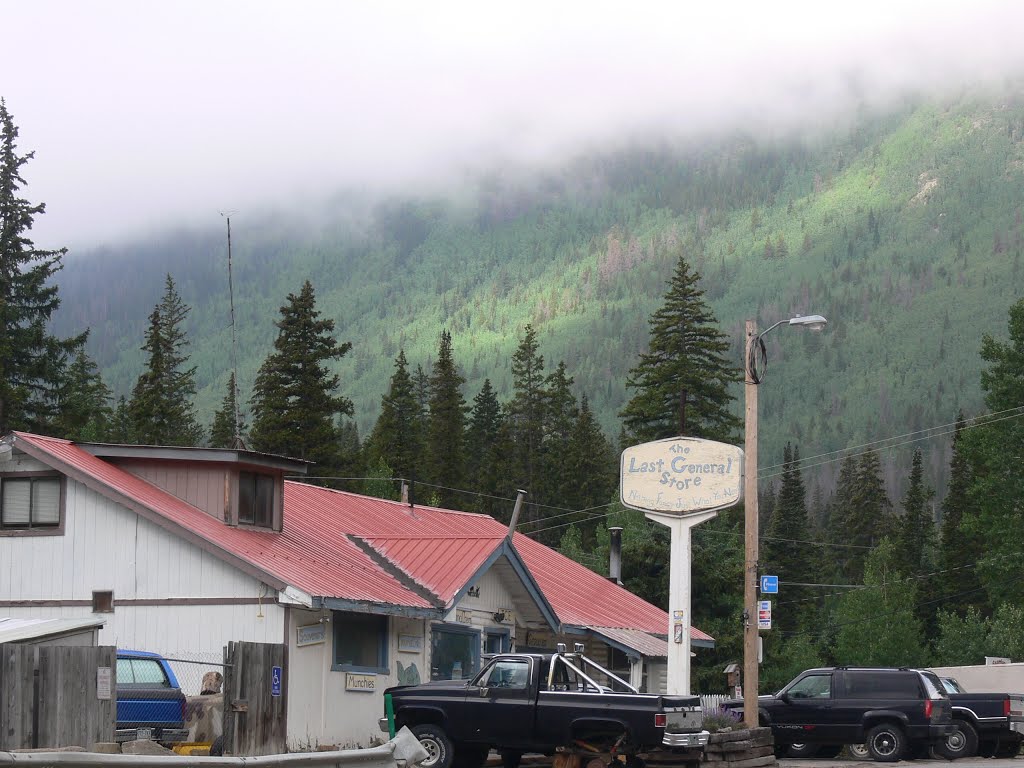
[49, 696]
[255, 721]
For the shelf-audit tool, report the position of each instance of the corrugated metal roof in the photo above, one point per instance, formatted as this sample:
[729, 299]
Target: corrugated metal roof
[318, 552]
[642, 642]
[583, 598]
[312, 553]
[16, 630]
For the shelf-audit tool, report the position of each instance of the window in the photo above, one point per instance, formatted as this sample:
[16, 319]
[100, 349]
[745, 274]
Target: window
[811, 687]
[141, 672]
[507, 674]
[360, 642]
[496, 642]
[256, 499]
[454, 652]
[30, 502]
[883, 685]
[102, 602]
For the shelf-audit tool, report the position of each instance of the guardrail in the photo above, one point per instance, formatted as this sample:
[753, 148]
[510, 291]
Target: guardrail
[402, 751]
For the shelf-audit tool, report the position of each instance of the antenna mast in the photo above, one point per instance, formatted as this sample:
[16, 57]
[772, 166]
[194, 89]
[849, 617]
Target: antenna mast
[237, 442]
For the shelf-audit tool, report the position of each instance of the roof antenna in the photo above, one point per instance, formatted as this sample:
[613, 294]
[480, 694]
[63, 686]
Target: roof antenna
[236, 443]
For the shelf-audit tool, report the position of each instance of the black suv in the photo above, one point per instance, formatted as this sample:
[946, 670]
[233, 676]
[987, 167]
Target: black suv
[894, 712]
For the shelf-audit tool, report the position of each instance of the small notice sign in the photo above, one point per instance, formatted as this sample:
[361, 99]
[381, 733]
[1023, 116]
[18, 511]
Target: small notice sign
[275, 681]
[103, 685]
[764, 614]
[310, 634]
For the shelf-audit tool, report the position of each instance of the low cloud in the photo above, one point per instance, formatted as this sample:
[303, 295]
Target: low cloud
[144, 116]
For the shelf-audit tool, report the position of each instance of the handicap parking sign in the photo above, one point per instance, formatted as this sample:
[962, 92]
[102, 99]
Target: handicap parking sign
[275, 681]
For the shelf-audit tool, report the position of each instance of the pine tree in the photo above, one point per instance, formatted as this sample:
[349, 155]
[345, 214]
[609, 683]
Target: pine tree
[959, 549]
[397, 437]
[560, 413]
[485, 454]
[121, 423]
[686, 357]
[446, 429]
[782, 554]
[591, 468]
[83, 404]
[294, 404]
[860, 514]
[32, 361]
[526, 411]
[915, 528]
[993, 450]
[161, 406]
[224, 431]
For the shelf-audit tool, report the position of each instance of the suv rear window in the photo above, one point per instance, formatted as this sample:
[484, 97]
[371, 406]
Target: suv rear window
[882, 685]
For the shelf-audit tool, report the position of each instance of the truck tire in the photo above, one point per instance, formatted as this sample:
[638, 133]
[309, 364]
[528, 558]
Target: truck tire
[858, 751]
[436, 742]
[962, 742]
[802, 750]
[886, 743]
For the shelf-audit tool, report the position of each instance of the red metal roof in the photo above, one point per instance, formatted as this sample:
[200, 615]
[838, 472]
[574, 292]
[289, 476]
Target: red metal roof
[318, 551]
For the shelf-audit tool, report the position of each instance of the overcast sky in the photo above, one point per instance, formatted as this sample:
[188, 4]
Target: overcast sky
[146, 114]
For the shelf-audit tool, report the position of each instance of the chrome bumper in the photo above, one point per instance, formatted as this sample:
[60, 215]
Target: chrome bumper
[699, 739]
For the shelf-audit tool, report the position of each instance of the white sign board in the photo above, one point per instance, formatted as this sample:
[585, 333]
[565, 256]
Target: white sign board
[681, 475]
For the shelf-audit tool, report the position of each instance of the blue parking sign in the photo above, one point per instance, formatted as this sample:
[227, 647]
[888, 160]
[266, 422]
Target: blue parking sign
[275, 681]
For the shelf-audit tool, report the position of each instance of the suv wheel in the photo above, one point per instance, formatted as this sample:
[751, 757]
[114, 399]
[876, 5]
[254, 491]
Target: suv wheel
[886, 743]
[962, 742]
[858, 751]
[436, 742]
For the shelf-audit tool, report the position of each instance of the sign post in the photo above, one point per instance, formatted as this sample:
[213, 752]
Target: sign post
[680, 483]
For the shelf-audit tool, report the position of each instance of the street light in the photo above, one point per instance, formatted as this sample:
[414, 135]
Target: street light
[752, 377]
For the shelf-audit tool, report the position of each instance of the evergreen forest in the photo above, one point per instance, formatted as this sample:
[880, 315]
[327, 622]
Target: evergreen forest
[520, 334]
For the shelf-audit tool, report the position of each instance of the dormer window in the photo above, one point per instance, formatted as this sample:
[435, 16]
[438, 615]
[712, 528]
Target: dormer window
[256, 499]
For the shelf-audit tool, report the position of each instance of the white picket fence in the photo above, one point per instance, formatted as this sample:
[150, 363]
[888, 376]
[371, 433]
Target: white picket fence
[709, 702]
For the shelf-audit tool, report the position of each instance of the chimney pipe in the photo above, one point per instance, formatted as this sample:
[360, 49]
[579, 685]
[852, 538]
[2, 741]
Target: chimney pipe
[405, 492]
[615, 556]
[515, 512]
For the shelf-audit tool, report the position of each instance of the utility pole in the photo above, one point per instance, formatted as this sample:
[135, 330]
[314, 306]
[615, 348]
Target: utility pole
[751, 523]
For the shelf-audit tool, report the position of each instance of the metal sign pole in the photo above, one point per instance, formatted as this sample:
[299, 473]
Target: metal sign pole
[679, 597]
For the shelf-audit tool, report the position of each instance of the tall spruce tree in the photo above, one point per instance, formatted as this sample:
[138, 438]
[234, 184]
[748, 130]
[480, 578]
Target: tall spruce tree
[526, 413]
[294, 402]
[959, 549]
[915, 530]
[228, 427]
[591, 469]
[783, 555]
[161, 405]
[32, 361]
[84, 412]
[397, 437]
[486, 449]
[997, 478]
[560, 413]
[687, 358]
[858, 516]
[446, 429]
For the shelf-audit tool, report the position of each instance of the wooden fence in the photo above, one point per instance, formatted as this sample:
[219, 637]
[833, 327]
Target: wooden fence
[56, 696]
[255, 699]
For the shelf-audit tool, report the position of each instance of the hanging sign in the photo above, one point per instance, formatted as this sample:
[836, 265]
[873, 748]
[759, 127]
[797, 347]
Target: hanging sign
[681, 475]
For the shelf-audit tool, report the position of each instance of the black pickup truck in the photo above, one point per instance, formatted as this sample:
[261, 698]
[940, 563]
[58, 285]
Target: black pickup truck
[546, 703]
[991, 724]
[894, 712]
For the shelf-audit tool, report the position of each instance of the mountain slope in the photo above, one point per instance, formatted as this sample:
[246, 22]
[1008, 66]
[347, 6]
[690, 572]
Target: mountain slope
[904, 230]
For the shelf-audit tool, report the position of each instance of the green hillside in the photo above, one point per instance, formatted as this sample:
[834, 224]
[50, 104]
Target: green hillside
[904, 229]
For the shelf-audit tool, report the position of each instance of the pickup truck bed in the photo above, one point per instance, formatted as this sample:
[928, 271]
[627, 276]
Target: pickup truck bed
[541, 703]
[990, 724]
